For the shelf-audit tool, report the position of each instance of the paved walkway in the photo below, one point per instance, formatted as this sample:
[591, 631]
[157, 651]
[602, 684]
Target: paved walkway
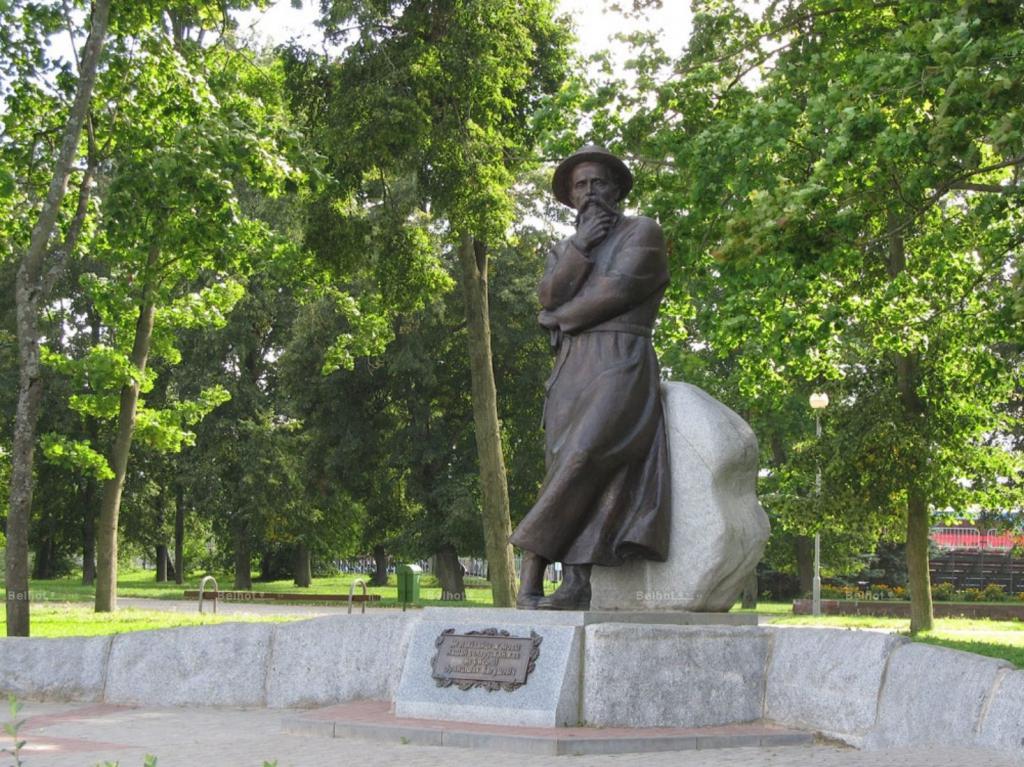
[82, 735]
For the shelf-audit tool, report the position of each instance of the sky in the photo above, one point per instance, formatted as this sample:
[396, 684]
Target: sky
[595, 26]
[281, 23]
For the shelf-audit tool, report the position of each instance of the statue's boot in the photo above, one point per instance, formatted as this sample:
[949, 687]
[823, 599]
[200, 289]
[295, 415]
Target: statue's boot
[531, 581]
[573, 594]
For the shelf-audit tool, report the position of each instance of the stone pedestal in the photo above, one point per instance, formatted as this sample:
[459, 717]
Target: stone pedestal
[718, 528]
[550, 697]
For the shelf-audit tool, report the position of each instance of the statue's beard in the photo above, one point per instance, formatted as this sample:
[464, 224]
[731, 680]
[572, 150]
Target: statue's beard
[592, 206]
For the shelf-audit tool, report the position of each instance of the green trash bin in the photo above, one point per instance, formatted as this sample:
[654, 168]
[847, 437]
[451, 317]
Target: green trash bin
[408, 583]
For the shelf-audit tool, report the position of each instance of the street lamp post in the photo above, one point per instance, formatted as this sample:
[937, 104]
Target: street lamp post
[819, 401]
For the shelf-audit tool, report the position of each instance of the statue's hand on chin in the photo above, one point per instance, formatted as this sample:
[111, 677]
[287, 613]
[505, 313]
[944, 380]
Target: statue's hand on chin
[593, 227]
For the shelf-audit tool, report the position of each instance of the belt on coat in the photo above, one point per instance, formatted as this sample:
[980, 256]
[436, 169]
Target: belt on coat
[615, 326]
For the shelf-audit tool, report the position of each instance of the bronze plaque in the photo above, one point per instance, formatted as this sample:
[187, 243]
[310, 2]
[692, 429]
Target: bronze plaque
[491, 659]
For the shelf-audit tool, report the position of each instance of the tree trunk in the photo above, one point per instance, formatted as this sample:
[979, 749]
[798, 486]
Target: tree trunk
[106, 542]
[42, 569]
[89, 534]
[303, 566]
[918, 577]
[496, 518]
[89, 494]
[162, 559]
[804, 545]
[43, 564]
[448, 570]
[30, 295]
[914, 410]
[30, 393]
[243, 559]
[749, 597]
[266, 567]
[380, 562]
[179, 536]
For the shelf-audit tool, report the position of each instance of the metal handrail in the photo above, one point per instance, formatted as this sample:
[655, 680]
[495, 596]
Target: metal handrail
[216, 592]
[956, 537]
[351, 594]
[972, 539]
[999, 541]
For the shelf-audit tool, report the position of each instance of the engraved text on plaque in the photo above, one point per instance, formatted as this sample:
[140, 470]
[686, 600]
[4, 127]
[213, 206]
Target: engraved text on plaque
[490, 659]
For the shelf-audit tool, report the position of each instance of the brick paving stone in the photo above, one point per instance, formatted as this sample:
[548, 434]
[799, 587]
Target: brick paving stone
[79, 735]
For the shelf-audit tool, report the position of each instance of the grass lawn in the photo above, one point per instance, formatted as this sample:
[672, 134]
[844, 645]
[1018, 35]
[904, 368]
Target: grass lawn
[996, 639]
[53, 616]
[141, 583]
[63, 607]
[994, 644]
[78, 619]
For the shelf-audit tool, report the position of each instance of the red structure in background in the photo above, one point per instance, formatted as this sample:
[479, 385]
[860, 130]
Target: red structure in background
[972, 539]
[972, 558]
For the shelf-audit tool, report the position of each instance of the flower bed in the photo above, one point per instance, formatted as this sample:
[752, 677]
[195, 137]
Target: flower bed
[901, 609]
[941, 592]
[873, 592]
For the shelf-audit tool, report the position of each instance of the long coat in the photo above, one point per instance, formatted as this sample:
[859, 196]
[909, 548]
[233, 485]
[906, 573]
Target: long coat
[606, 494]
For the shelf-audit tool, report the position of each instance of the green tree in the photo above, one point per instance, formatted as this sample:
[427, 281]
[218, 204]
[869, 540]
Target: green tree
[458, 81]
[435, 439]
[841, 184]
[351, 491]
[40, 260]
[223, 135]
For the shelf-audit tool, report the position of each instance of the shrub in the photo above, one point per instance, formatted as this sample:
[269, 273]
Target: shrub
[943, 592]
[993, 592]
[885, 591]
[972, 595]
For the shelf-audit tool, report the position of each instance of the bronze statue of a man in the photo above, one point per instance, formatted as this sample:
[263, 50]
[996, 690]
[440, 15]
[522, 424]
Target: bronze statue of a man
[605, 498]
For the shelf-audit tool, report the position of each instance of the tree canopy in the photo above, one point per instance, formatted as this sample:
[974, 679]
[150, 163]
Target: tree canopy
[841, 183]
[285, 298]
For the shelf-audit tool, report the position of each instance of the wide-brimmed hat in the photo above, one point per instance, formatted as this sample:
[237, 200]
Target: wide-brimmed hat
[561, 182]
